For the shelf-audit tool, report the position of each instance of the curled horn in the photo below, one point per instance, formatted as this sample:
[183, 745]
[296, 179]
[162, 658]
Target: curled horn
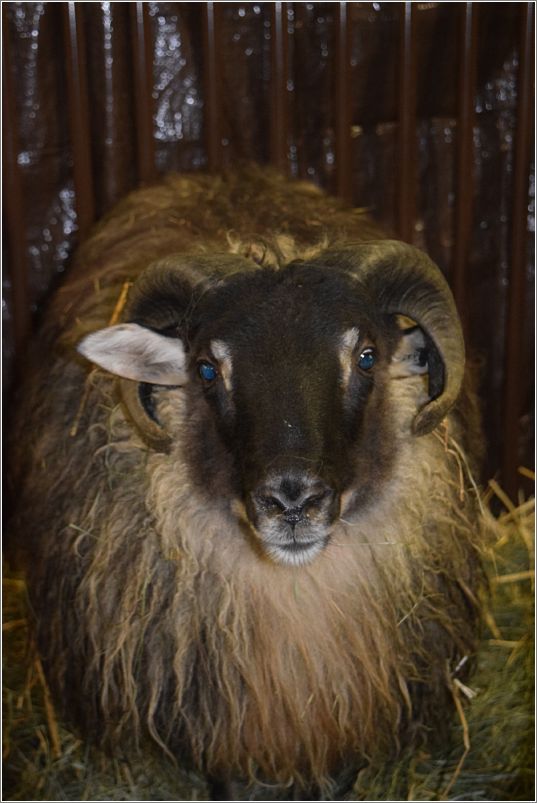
[164, 299]
[152, 432]
[403, 280]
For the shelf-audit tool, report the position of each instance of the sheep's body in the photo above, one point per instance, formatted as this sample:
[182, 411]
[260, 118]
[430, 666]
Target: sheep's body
[154, 613]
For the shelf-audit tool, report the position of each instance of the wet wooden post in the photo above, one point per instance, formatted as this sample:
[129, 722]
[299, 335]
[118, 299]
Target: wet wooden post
[213, 133]
[407, 161]
[465, 157]
[512, 401]
[79, 123]
[278, 88]
[14, 208]
[343, 101]
[143, 85]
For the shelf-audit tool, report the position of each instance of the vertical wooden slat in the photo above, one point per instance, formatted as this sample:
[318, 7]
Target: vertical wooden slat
[79, 122]
[143, 86]
[109, 59]
[343, 103]
[278, 88]
[213, 135]
[465, 155]
[512, 402]
[406, 168]
[14, 204]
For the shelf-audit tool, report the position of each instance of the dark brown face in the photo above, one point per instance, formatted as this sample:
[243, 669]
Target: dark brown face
[285, 373]
[286, 383]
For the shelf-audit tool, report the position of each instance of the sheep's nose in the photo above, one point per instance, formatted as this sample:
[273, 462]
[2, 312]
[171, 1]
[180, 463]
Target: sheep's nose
[293, 498]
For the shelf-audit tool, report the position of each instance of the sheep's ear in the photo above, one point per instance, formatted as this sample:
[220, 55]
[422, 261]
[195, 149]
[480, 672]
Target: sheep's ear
[134, 352]
[411, 355]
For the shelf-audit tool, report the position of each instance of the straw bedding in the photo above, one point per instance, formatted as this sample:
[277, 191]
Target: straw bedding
[487, 756]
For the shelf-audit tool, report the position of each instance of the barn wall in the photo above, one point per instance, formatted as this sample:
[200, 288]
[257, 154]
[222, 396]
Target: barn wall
[421, 112]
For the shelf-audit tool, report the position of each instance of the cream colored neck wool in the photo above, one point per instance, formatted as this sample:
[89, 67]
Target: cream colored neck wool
[301, 668]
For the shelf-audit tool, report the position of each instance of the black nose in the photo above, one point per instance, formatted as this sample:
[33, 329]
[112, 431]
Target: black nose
[294, 498]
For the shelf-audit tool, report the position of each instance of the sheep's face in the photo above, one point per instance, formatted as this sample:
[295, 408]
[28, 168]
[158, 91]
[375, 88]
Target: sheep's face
[287, 369]
[284, 374]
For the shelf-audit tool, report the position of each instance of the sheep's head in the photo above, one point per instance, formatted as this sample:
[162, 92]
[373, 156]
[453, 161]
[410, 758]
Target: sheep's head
[285, 375]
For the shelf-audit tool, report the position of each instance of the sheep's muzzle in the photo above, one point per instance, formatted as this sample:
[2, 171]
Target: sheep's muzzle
[291, 514]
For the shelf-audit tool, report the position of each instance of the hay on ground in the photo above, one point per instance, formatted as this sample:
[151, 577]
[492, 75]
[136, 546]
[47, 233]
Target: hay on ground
[489, 757]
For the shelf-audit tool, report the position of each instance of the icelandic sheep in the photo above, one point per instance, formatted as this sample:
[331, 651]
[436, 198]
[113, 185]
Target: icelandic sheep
[250, 532]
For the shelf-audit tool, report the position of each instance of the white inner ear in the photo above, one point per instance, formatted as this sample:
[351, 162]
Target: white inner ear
[134, 352]
[409, 359]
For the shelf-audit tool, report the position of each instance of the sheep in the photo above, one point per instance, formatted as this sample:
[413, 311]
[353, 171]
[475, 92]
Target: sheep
[242, 459]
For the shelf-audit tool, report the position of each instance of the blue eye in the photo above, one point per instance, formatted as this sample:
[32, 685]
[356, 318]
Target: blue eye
[207, 371]
[367, 359]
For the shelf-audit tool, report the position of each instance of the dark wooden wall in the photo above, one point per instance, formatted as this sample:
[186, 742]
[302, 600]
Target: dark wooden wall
[421, 112]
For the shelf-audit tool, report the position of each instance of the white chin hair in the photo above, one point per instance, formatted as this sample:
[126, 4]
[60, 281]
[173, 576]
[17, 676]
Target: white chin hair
[290, 557]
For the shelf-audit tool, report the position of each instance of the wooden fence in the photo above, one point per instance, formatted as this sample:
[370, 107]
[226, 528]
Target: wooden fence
[80, 46]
